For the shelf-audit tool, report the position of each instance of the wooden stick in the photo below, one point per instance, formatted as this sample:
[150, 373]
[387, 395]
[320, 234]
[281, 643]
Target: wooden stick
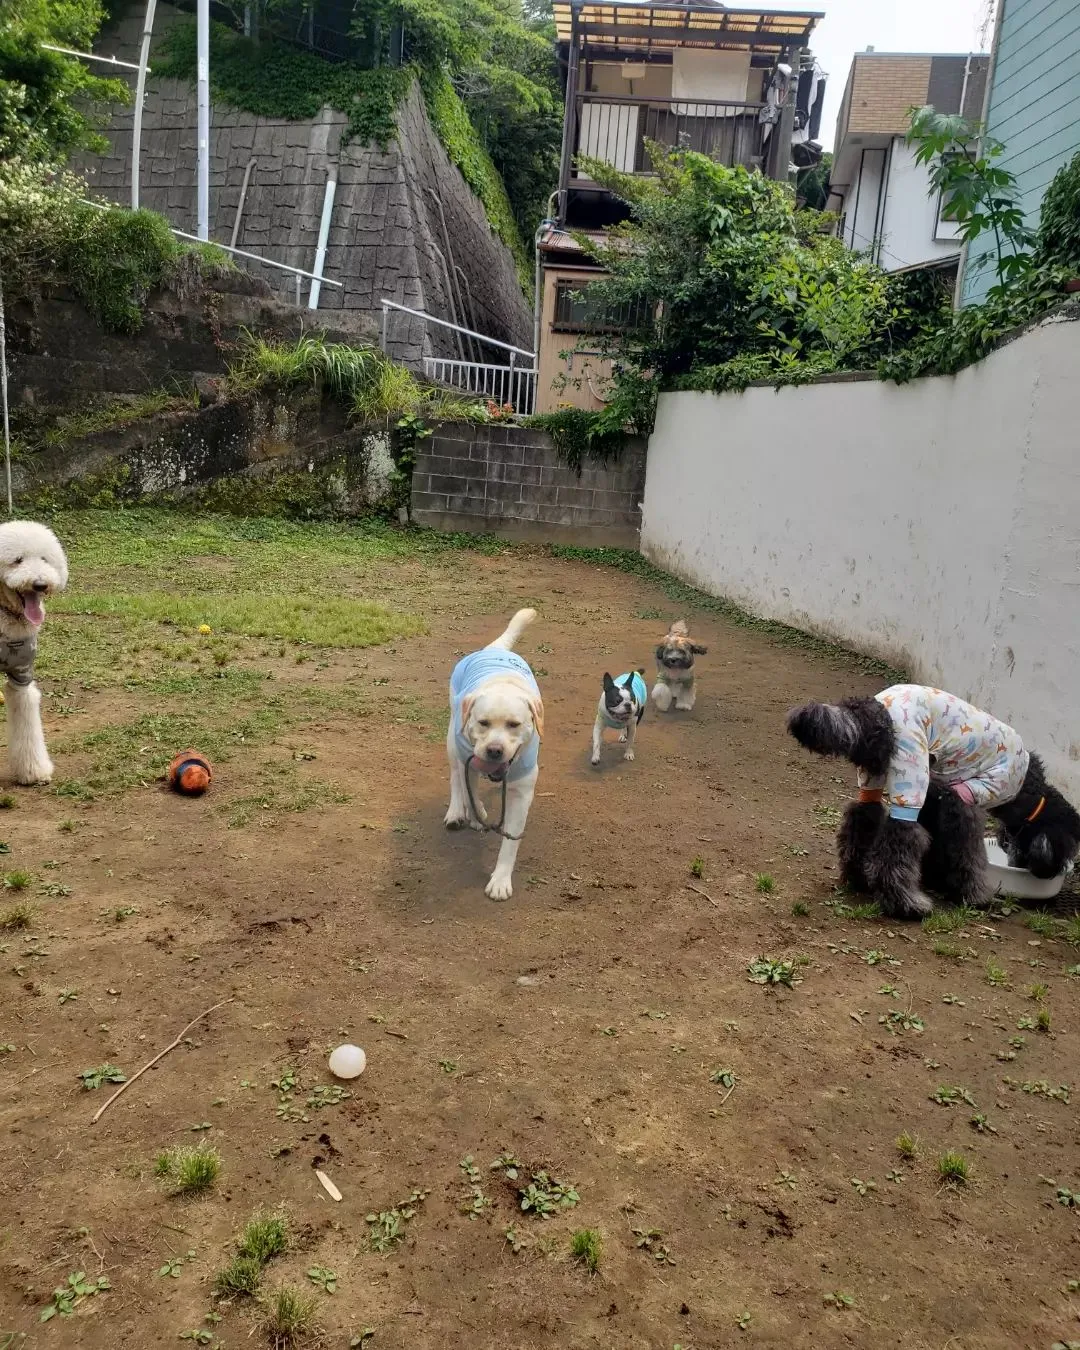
[691, 887]
[160, 1055]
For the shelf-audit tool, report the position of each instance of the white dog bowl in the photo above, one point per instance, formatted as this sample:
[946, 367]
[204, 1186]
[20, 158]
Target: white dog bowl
[1018, 881]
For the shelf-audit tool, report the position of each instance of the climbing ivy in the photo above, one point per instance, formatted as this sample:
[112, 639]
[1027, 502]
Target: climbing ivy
[456, 131]
[271, 79]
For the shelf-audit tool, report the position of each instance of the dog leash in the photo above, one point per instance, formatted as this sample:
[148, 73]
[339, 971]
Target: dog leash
[492, 829]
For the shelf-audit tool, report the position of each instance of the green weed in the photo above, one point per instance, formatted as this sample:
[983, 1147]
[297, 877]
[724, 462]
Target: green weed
[67, 1297]
[104, 1073]
[996, 974]
[18, 880]
[386, 1228]
[764, 884]
[767, 970]
[800, 909]
[907, 1145]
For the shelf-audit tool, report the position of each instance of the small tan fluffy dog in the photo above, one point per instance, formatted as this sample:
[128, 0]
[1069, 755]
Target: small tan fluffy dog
[496, 721]
[675, 680]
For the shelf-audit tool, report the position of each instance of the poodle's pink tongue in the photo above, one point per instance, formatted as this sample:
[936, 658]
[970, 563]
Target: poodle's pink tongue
[33, 610]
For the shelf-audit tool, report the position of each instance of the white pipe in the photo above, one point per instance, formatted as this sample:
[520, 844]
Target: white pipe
[140, 98]
[202, 82]
[4, 393]
[324, 235]
[240, 204]
[88, 56]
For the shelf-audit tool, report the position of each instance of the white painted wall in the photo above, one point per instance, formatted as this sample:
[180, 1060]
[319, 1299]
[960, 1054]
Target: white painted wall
[934, 524]
[911, 232]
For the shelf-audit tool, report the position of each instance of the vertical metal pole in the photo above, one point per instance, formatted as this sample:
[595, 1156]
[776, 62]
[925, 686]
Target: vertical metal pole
[202, 73]
[140, 98]
[382, 336]
[569, 114]
[4, 396]
[320, 250]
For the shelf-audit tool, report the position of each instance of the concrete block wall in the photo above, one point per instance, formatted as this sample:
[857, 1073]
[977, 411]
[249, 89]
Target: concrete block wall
[510, 481]
[387, 237]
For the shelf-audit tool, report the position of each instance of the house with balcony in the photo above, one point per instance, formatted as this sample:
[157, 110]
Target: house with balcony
[880, 194]
[738, 85]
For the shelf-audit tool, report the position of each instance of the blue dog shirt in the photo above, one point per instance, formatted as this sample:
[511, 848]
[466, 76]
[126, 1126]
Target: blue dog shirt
[640, 696]
[469, 673]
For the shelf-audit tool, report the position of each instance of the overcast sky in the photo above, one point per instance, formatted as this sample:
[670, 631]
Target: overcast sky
[850, 26]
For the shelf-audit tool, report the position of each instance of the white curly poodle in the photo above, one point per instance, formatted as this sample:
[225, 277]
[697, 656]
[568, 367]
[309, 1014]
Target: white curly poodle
[32, 567]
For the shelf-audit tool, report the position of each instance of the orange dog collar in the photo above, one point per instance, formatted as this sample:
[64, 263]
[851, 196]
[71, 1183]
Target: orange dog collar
[1038, 811]
[871, 794]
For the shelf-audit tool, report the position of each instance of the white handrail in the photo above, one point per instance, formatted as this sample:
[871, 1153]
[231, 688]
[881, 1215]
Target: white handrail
[443, 323]
[89, 56]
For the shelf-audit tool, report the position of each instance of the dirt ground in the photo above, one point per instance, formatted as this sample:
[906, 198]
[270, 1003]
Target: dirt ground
[578, 1026]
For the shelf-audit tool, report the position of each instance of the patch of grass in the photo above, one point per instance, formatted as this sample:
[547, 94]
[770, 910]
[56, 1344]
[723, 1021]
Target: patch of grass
[1037, 992]
[764, 884]
[18, 916]
[586, 1246]
[1039, 921]
[1071, 930]
[1042, 1020]
[264, 1236]
[285, 792]
[953, 1168]
[321, 618]
[290, 1316]
[697, 867]
[800, 909]
[189, 1170]
[949, 950]
[18, 880]
[240, 1278]
[8, 801]
[769, 971]
[950, 920]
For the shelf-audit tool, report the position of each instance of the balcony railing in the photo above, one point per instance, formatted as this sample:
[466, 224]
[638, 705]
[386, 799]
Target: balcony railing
[615, 129]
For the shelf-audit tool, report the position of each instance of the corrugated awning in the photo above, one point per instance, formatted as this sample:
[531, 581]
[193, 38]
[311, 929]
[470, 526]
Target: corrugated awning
[633, 27]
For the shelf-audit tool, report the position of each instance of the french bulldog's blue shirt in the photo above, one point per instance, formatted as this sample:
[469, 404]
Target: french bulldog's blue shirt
[640, 694]
[469, 673]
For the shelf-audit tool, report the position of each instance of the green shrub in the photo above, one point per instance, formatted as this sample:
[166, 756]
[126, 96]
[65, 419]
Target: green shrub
[1059, 223]
[52, 233]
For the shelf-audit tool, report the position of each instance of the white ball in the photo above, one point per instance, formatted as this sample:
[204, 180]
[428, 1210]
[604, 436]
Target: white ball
[348, 1061]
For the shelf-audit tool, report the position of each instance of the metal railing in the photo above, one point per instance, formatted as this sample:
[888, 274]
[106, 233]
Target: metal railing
[615, 128]
[512, 381]
[511, 384]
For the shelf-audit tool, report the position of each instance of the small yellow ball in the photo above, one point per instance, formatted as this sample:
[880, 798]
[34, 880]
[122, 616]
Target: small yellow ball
[205, 629]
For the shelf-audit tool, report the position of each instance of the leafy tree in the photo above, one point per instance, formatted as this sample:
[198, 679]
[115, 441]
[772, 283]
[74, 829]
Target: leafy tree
[51, 105]
[739, 285]
[981, 196]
